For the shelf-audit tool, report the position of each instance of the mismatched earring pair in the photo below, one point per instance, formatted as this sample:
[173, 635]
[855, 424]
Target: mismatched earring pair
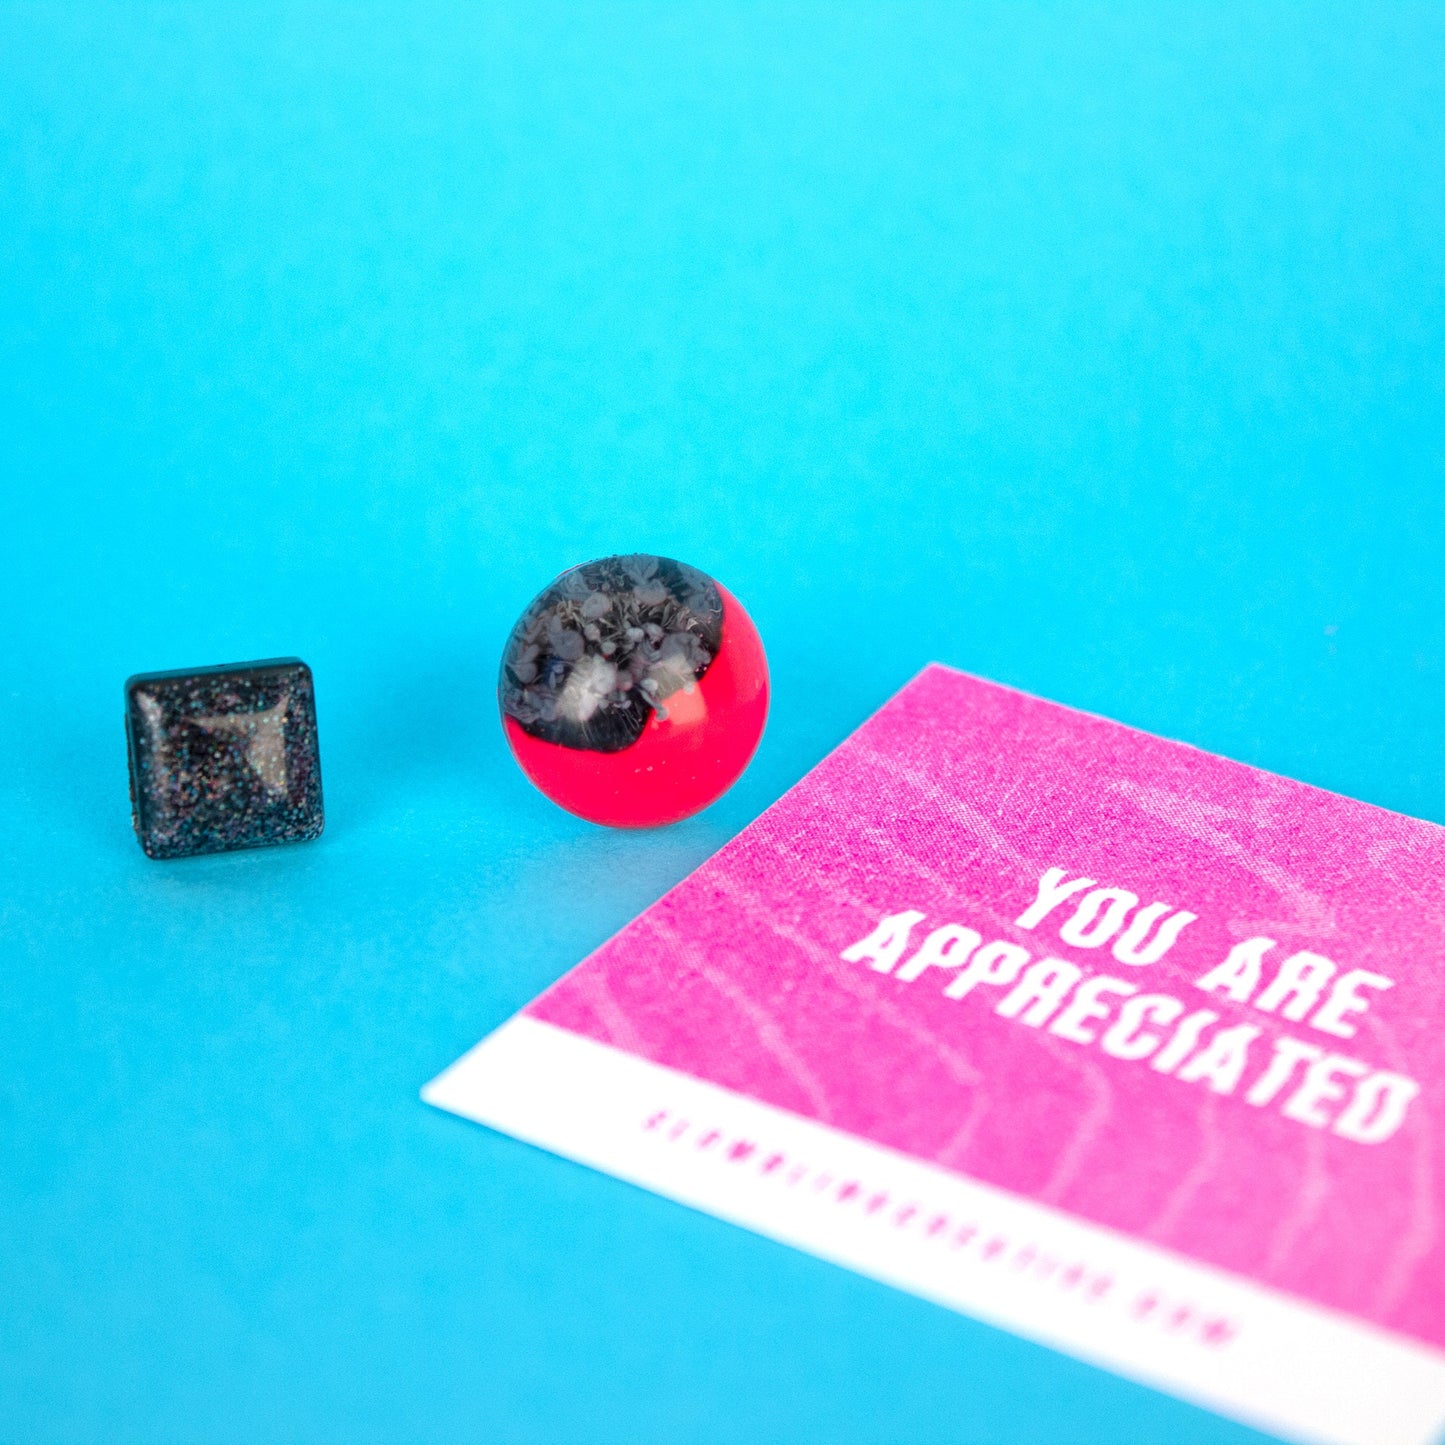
[633, 693]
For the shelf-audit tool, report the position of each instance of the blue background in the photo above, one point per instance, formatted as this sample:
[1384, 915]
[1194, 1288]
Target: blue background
[1098, 351]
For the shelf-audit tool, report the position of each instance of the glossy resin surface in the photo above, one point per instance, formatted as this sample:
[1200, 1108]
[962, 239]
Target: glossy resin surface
[634, 690]
[223, 757]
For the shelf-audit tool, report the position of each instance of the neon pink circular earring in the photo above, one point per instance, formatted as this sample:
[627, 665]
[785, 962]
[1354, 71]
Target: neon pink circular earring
[634, 691]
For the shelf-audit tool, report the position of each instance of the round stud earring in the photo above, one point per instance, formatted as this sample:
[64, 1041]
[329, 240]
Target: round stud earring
[634, 690]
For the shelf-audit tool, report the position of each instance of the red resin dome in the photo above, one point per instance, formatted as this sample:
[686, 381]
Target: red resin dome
[634, 691]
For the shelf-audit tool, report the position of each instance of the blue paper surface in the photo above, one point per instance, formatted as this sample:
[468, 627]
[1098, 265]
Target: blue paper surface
[1095, 350]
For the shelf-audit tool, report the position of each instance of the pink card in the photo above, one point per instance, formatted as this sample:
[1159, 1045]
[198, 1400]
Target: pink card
[1118, 1045]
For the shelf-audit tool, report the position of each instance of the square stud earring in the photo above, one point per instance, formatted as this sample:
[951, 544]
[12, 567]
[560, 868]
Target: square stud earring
[223, 757]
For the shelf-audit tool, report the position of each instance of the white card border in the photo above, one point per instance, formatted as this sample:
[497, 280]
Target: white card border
[1293, 1368]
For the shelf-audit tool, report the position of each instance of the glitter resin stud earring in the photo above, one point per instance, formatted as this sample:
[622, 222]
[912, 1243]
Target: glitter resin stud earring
[634, 691]
[223, 757]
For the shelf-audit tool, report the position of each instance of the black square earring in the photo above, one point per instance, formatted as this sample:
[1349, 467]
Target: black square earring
[223, 757]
